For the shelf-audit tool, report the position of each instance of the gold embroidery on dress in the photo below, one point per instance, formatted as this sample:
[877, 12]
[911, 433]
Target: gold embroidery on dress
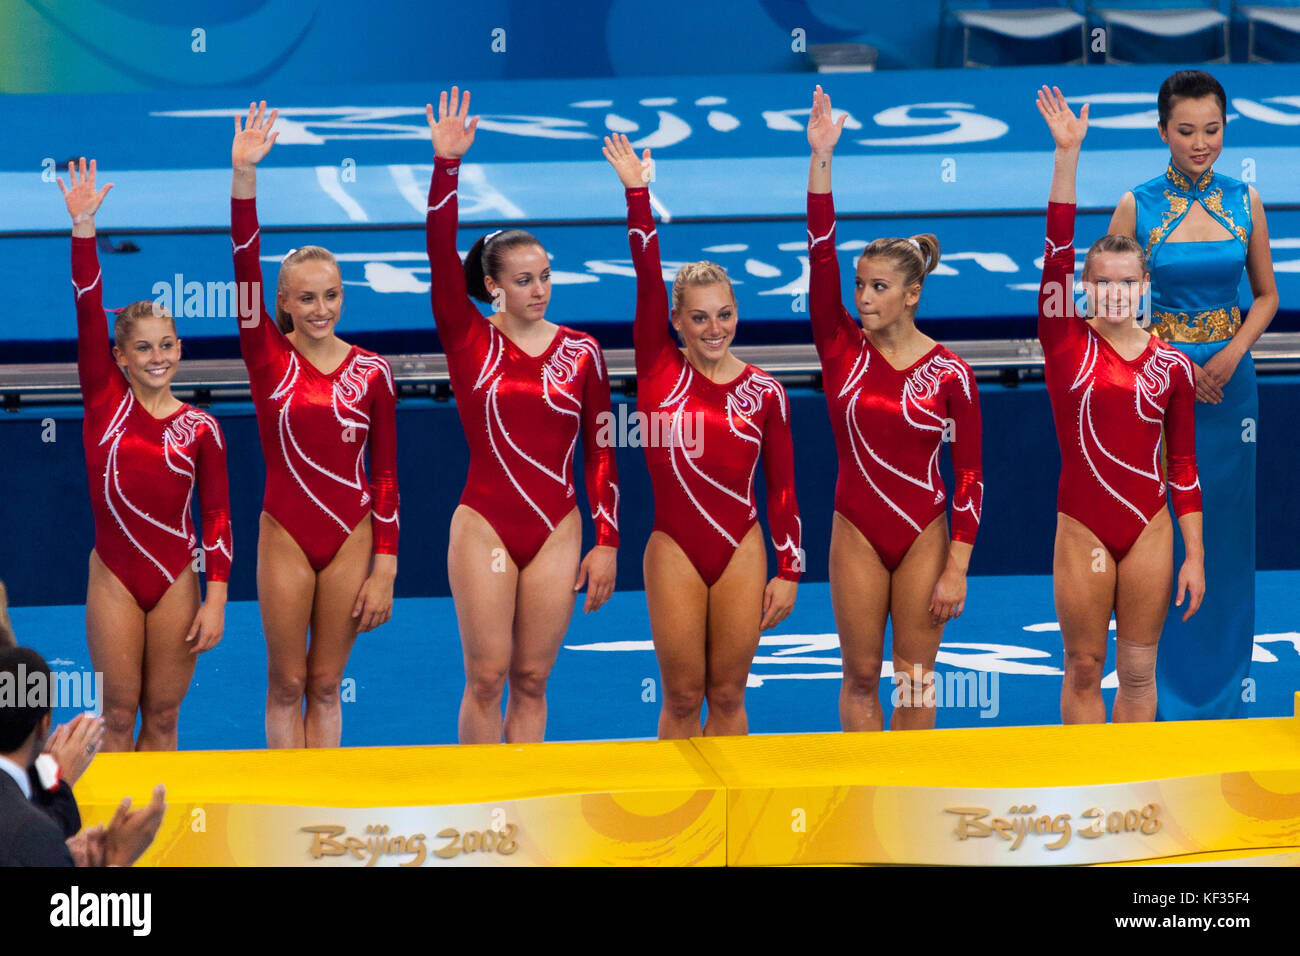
[1178, 178]
[1212, 326]
[1214, 203]
[1177, 206]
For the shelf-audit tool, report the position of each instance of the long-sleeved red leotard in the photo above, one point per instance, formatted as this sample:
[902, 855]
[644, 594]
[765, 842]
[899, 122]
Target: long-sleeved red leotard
[142, 470]
[890, 423]
[704, 482]
[1109, 410]
[522, 414]
[315, 426]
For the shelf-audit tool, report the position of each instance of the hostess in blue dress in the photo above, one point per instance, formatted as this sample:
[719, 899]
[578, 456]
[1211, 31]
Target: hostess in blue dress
[1203, 663]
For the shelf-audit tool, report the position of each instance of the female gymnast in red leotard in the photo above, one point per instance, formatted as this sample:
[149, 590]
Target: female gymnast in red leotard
[710, 415]
[1113, 386]
[145, 453]
[896, 397]
[327, 543]
[525, 388]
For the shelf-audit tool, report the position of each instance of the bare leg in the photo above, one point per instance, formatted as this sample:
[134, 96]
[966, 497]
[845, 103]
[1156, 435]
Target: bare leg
[115, 632]
[286, 588]
[735, 615]
[1083, 580]
[483, 582]
[916, 635]
[333, 632]
[678, 602]
[1141, 603]
[860, 588]
[543, 607]
[168, 663]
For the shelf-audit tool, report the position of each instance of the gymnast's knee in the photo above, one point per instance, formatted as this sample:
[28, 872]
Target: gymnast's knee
[684, 703]
[529, 683]
[862, 681]
[726, 699]
[1135, 666]
[485, 683]
[1083, 671]
[286, 689]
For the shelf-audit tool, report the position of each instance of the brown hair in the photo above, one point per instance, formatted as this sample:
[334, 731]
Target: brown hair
[487, 258]
[700, 273]
[306, 254]
[915, 257]
[128, 316]
[1125, 245]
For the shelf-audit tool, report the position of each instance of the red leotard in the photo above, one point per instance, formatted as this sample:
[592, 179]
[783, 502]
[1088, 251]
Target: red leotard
[890, 423]
[142, 470]
[315, 427]
[522, 414]
[1109, 411]
[706, 503]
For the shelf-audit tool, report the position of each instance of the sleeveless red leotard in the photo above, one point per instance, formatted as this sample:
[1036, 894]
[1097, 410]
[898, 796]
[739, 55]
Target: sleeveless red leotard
[705, 502]
[522, 414]
[1109, 411]
[142, 470]
[890, 424]
[315, 427]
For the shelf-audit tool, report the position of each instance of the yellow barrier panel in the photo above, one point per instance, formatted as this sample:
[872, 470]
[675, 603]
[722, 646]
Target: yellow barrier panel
[1011, 796]
[633, 803]
[1165, 794]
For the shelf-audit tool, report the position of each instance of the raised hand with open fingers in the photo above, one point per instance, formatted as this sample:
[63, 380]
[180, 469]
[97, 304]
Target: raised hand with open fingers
[1067, 129]
[453, 130]
[83, 199]
[632, 172]
[823, 131]
[254, 139]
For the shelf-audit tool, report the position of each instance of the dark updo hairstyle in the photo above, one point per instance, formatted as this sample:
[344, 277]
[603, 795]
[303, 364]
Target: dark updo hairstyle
[127, 316]
[1189, 84]
[915, 257]
[486, 258]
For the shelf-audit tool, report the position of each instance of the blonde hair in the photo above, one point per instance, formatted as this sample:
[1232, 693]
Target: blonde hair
[306, 254]
[693, 274]
[1124, 245]
[129, 315]
[915, 257]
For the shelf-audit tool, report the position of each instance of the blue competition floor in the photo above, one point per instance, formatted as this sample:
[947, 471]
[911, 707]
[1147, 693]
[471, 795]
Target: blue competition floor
[408, 675]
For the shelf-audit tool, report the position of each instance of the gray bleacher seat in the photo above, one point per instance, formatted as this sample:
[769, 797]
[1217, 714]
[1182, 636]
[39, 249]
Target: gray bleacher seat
[1018, 23]
[1164, 22]
[1284, 18]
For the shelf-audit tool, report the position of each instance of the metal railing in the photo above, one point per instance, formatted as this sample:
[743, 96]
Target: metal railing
[207, 380]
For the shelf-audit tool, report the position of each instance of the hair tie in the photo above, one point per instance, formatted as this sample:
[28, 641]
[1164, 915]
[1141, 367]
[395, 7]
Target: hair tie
[288, 254]
[490, 236]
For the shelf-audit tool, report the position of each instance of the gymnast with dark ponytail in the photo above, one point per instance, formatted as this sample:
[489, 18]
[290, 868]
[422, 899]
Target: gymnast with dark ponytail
[525, 388]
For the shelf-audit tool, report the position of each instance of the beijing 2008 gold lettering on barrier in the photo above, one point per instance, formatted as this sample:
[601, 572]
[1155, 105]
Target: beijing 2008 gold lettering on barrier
[1104, 823]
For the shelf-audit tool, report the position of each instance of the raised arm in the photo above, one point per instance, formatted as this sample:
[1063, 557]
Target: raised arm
[455, 315]
[654, 343]
[99, 375]
[782, 509]
[259, 337]
[833, 327]
[1056, 290]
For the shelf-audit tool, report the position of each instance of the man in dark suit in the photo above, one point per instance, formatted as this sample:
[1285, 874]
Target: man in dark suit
[28, 836]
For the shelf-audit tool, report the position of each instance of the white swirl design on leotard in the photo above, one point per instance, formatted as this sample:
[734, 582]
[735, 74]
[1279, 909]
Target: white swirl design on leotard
[743, 403]
[601, 510]
[922, 384]
[349, 389]
[859, 369]
[1150, 384]
[561, 369]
